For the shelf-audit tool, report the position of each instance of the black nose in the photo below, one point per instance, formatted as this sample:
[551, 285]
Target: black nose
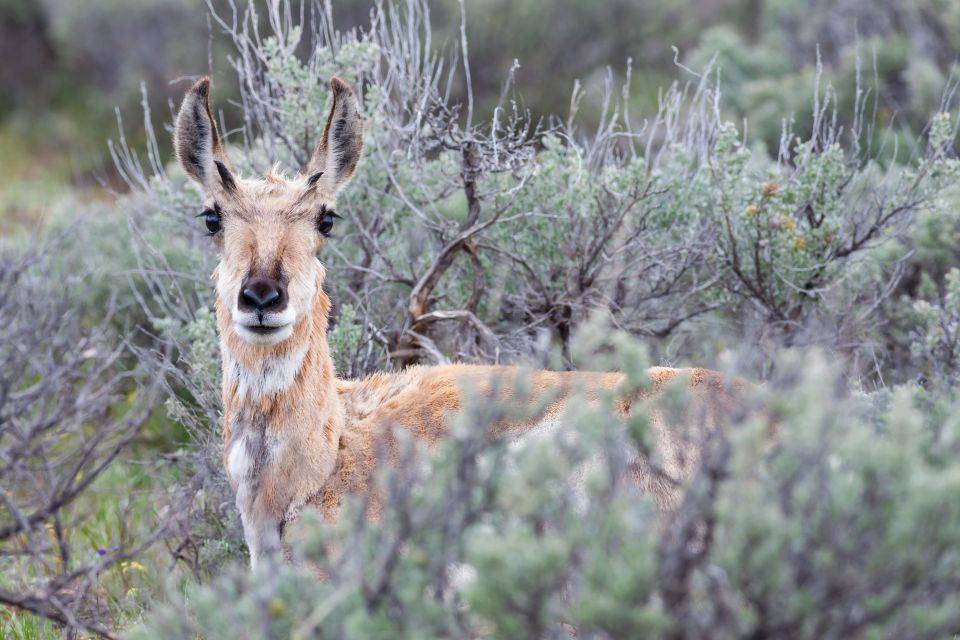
[261, 294]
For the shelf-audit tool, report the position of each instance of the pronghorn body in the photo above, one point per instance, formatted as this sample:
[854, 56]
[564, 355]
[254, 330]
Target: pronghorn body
[295, 435]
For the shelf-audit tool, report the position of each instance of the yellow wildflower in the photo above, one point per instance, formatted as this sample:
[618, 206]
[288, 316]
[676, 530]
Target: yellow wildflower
[276, 608]
[751, 211]
[132, 564]
[788, 223]
[799, 244]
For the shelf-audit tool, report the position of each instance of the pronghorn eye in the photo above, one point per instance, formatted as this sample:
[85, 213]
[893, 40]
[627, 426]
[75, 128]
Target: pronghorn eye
[325, 223]
[212, 219]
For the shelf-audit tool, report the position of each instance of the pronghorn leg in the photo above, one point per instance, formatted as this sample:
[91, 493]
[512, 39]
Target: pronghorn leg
[262, 534]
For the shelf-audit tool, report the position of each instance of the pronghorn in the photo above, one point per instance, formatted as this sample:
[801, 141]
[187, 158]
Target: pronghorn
[295, 435]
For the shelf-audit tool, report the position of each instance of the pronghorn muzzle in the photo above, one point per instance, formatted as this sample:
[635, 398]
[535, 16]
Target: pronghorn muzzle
[263, 314]
[260, 295]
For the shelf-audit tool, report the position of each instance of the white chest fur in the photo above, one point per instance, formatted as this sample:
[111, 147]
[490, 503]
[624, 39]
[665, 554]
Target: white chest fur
[238, 461]
[245, 463]
[273, 376]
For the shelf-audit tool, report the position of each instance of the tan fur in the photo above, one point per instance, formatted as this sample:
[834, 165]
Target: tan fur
[421, 399]
[295, 435]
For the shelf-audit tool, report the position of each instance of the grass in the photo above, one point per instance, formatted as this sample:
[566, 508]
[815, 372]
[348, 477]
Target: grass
[20, 626]
[120, 509]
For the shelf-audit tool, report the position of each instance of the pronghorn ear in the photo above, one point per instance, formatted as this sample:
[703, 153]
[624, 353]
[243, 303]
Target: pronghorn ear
[197, 141]
[338, 152]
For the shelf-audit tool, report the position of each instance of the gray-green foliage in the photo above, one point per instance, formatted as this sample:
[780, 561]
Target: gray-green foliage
[764, 203]
[680, 230]
[492, 240]
[935, 335]
[73, 403]
[844, 525]
[345, 340]
[791, 243]
[767, 70]
[826, 536]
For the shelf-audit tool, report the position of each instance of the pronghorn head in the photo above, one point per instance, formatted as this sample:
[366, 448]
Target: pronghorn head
[268, 230]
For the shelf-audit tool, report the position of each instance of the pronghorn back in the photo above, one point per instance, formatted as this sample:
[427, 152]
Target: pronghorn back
[422, 399]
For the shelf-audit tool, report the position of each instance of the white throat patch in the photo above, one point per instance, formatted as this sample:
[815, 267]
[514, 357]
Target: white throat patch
[274, 376]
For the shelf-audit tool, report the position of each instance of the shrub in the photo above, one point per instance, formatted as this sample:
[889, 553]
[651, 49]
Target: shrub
[822, 532]
[70, 407]
[493, 238]
[493, 241]
[490, 241]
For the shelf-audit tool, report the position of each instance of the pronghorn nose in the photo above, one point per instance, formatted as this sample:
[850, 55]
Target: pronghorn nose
[260, 294]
